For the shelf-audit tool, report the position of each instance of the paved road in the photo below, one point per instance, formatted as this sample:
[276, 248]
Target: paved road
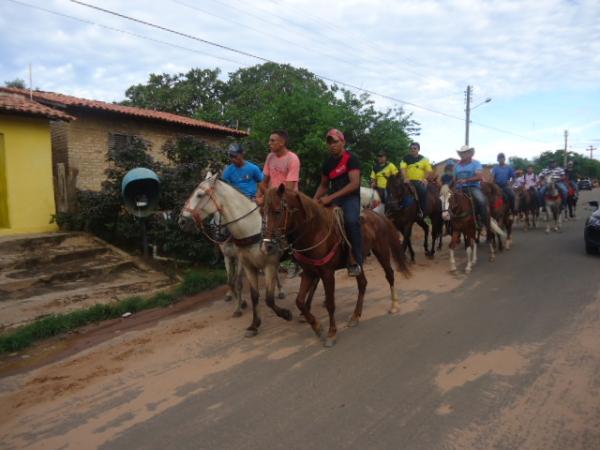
[509, 359]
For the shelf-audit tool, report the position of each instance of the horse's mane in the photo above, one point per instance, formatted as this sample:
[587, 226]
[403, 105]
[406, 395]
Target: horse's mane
[233, 188]
[312, 210]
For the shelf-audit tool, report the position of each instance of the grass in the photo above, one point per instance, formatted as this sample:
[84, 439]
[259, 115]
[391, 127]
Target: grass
[193, 282]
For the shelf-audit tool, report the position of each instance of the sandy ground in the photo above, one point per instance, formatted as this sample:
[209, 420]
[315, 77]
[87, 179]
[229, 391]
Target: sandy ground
[84, 399]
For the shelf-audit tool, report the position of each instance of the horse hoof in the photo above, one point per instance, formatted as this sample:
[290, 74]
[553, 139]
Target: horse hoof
[251, 333]
[318, 329]
[227, 298]
[329, 342]
[286, 314]
[244, 304]
[281, 295]
[237, 313]
[352, 322]
[393, 310]
[468, 270]
[301, 319]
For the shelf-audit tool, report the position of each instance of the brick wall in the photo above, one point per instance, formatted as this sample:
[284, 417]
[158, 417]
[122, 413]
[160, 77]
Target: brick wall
[88, 141]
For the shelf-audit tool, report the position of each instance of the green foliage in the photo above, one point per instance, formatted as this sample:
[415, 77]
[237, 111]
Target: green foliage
[102, 213]
[271, 96]
[193, 282]
[16, 83]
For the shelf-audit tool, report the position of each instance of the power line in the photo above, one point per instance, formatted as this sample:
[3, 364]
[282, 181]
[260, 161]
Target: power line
[119, 30]
[248, 54]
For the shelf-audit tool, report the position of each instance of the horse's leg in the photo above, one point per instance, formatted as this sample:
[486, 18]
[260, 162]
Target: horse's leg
[271, 279]
[306, 283]
[280, 291]
[309, 298]
[238, 284]
[508, 226]
[469, 255]
[383, 256]
[548, 212]
[252, 275]
[454, 241]
[361, 283]
[409, 243]
[329, 285]
[492, 243]
[229, 272]
[425, 229]
[474, 255]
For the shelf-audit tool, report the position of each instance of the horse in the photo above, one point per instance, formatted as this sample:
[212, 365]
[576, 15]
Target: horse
[527, 204]
[370, 199]
[500, 212]
[243, 219]
[553, 207]
[402, 208]
[457, 208]
[571, 202]
[316, 237]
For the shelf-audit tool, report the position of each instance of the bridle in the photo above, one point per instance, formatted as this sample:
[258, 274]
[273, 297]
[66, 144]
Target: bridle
[197, 212]
[450, 210]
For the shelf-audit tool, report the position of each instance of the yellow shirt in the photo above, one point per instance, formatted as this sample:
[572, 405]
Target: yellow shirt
[382, 176]
[416, 170]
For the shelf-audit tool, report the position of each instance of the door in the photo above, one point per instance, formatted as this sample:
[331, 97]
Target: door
[3, 194]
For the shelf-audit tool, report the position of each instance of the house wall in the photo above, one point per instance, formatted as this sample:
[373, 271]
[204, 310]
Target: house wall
[88, 139]
[26, 174]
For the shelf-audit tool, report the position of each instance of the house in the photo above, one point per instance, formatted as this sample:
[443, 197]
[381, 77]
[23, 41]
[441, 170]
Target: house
[26, 184]
[81, 146]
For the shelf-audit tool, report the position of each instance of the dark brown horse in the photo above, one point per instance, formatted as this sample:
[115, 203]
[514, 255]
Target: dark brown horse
[457, 208]
[402, 208]
[500, 212]
[314, 234]
[527, 204]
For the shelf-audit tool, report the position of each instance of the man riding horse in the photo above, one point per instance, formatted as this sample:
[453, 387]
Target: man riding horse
[468, 176]
[503, 175]
[380, 174]
[557, 174]
[341, 173]
[415, 169]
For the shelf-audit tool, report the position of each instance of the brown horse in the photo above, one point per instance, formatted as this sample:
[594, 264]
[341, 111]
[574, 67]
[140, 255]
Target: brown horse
[500, 212]
[315, 236]
[527, 203]
[457, 208]
[402, 208]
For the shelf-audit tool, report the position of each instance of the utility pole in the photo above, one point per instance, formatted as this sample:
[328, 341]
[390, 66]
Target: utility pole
[591, 149]
[565, 157]
[468, 112]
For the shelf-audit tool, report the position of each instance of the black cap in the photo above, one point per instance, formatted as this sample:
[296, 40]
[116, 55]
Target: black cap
[235, 149]
[501, 156]
[381, 154]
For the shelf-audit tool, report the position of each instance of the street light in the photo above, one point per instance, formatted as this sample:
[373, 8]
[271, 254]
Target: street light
[468, 110]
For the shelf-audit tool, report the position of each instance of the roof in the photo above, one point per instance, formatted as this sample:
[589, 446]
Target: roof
[62, 100]
[15, 103]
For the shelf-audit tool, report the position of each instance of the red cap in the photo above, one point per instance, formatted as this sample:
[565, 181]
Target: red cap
[335, 133]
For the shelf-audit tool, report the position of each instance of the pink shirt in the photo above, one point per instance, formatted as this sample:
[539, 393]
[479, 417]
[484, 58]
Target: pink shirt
[282, 169]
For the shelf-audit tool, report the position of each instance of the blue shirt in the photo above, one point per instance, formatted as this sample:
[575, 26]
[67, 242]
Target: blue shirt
[464, 171]
[244, 178]
[502, 174]
[447, 179]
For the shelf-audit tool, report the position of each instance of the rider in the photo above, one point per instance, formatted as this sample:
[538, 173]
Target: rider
[571, 176]
[281, 166]
[468, 177]
[503, 175]
[448, 177]
[382, 170]
[558, 175]
[242, 174]
[415, 169]
[341, 172]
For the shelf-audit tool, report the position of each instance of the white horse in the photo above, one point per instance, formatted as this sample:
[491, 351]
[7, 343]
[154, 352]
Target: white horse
[369, 199]
[244, 221]
[553, 203]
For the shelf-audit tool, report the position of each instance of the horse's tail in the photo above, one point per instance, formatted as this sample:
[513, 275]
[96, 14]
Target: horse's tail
[396, 248]
[496, 228]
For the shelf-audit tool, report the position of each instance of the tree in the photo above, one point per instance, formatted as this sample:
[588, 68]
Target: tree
[16, 83]
[272, 96]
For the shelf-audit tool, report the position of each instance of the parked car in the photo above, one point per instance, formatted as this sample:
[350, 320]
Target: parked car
[584, 185]
[591, 233]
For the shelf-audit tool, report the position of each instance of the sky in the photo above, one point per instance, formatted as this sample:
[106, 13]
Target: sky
[538, 60]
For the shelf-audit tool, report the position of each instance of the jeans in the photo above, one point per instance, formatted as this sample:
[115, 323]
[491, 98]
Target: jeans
[561, 186]
[481, 203]
[350, 204]
[422, 192]
[510, 194]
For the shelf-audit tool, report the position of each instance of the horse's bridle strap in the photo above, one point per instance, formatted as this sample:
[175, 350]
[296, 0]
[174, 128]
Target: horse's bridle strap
[247, 241]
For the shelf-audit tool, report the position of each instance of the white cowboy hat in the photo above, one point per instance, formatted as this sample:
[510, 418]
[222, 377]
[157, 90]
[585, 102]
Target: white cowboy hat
[464, 148]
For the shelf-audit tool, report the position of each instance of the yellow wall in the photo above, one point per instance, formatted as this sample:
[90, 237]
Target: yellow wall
[27, 171]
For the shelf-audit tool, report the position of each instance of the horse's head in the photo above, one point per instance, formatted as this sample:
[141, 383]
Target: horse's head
[201, 203]
[283, 214]
[445, 194]
[552, 189]
[397, 191]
